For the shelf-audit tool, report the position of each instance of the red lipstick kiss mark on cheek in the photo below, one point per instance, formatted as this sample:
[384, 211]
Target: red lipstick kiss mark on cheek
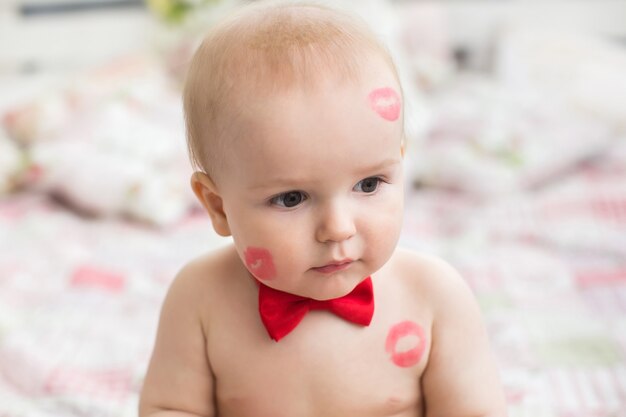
[410, 357]
[260, 264]
[386, 102]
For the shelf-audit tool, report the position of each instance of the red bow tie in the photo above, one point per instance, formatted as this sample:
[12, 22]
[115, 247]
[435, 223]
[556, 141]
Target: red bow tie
[281, 312]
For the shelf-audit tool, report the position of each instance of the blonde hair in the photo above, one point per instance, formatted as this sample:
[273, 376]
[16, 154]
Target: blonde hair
[266, 48]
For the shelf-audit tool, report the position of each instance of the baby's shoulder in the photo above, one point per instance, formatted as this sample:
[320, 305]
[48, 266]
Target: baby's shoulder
[206, 275]
[420, 268]
[427, 275]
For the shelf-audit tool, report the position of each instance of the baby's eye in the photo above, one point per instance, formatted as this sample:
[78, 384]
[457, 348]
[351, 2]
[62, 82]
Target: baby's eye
[288, 199]
[368, 185]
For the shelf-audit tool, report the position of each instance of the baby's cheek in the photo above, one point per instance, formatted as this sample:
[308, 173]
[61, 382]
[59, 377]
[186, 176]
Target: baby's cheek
[406, 343]
[260, 263]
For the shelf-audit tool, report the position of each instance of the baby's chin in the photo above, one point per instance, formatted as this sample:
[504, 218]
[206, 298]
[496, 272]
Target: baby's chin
[321, 288]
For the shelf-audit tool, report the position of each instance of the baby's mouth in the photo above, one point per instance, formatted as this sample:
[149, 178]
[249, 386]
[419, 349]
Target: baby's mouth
[334, 266]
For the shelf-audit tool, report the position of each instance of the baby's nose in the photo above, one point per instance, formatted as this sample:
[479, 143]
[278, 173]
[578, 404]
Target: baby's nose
[336, 223]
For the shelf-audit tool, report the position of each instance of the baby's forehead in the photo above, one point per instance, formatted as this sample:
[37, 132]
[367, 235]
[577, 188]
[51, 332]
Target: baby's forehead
[373, 95]
[374, 101]
[296, 124]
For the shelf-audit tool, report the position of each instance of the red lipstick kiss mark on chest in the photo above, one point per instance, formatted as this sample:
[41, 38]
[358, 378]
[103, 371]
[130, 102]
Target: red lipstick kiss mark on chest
[412, 356]
[386, 102]
[260, 264]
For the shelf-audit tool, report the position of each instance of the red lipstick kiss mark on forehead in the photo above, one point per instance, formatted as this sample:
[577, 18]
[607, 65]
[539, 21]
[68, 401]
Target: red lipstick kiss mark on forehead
[386, 102]
[399, 331]
[260, 264]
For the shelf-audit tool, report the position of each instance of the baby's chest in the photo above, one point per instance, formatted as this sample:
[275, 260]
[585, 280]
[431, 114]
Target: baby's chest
[326, 367]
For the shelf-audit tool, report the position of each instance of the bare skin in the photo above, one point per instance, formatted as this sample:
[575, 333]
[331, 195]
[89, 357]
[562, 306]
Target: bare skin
[210, 331]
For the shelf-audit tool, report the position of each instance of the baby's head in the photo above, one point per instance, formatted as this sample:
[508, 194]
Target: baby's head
[266, 49]
[294, 122]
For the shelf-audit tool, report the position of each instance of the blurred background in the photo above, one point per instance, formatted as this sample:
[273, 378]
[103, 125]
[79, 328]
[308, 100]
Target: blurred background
[516, 174]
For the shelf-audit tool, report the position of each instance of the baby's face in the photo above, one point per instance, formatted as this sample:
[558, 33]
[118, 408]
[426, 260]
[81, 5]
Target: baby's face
[314, 191]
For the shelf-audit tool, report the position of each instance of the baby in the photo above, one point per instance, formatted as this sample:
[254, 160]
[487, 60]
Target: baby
[295, 124]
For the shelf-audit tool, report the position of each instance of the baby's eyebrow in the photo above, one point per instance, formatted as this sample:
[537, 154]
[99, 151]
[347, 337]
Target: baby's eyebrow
[278, 182]
[386, 163]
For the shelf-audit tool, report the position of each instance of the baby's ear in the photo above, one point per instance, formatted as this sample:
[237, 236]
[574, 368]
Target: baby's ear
[207, 193]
